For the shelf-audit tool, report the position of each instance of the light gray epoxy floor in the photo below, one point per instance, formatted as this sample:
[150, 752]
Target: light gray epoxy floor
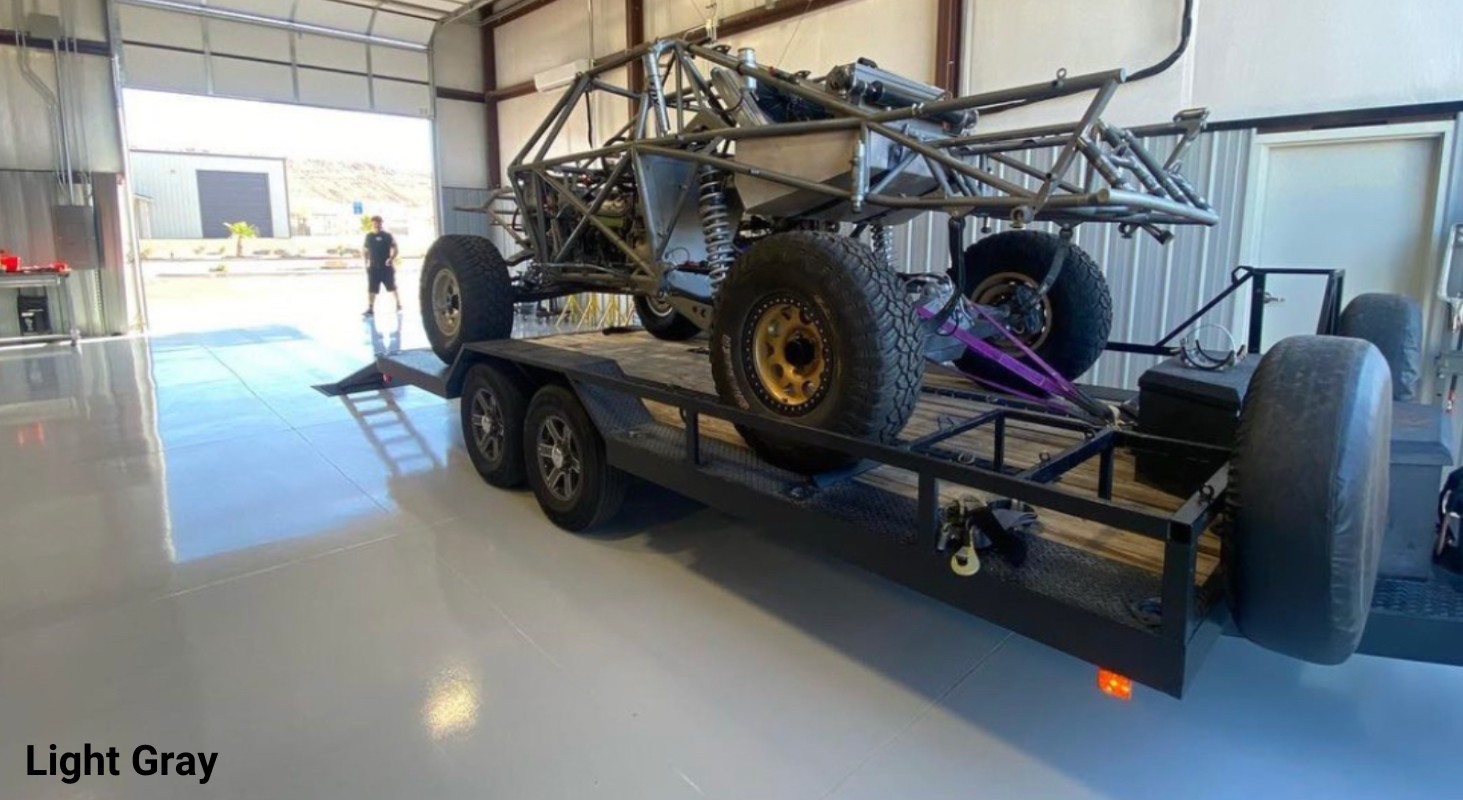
[198, 552]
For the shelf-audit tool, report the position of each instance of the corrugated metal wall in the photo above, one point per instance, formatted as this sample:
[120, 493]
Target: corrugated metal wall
[1154, 286]
[456, 221]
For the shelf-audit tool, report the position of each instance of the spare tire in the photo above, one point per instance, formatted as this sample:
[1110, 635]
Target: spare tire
[466, 294]
[1393, 323]
[810, 327]
[1309, 488]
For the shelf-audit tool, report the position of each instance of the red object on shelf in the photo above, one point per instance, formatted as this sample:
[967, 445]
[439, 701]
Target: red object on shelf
[10, 262]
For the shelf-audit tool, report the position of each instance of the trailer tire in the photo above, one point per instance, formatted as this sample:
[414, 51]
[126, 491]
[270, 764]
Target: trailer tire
[810, 327]
[663, 321]
[466, 294]
[1072, 323]
[564, 456]
[1309, 481]
[493, 406]
[1393, 323]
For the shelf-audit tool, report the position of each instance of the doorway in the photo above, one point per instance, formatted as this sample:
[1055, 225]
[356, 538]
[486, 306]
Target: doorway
[1367, 200]
[251, 215]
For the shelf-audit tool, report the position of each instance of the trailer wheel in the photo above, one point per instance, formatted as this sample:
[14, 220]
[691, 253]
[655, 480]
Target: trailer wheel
[565, 458]
[1309, 478]
[494, 402]
[1393, 323]
[466, 294]
[811, 328]
[663, 321]
[1067, 327]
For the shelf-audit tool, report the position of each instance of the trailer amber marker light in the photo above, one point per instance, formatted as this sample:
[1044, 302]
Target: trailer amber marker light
[1114, 684]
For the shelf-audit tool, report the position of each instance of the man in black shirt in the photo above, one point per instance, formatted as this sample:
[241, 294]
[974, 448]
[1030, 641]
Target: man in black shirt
[380, 265]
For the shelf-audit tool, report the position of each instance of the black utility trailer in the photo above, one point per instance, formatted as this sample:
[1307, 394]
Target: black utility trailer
[1117, 573]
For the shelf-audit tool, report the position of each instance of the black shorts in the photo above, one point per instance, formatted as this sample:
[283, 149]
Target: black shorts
[381, 276]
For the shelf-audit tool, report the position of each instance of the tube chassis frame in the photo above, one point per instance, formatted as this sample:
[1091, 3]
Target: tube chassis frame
[1123, 183]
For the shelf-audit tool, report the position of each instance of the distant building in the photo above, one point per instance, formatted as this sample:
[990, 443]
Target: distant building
[192, 195]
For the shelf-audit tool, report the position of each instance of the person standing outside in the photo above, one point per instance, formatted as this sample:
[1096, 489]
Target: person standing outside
[380, 249]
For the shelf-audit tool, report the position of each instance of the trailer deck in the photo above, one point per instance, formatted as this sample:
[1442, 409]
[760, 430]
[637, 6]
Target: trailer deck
[1108, 555]
[1026, 445]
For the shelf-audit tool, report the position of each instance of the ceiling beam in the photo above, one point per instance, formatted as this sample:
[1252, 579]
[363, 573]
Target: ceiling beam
[635, 34]
[86, 47]
[511, 13]
[949, 45]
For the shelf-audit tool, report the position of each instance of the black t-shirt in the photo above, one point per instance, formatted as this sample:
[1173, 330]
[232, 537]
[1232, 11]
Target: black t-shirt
[378, 247]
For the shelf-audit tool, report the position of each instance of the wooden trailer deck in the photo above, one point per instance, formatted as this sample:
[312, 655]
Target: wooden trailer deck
[685, 364]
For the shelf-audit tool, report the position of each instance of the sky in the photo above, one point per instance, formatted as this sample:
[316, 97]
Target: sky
[164, 121]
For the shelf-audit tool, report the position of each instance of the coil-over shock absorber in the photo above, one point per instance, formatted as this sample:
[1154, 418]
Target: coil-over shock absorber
[716, 224]
[883, 240]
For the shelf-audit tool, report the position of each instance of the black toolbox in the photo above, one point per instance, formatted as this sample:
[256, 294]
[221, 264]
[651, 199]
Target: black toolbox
[1180, 402]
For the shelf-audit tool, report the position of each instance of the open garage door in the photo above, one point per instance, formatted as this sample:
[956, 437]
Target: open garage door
[348, 54]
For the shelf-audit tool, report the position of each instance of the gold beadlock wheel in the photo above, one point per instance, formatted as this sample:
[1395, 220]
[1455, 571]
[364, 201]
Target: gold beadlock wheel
[836, 323]
[790, 355]
[1030, 313]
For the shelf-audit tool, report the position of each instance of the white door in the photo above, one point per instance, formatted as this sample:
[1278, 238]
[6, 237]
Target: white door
[1367, 200]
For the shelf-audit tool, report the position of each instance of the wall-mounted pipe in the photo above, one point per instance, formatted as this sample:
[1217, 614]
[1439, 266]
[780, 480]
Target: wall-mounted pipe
[40, 87]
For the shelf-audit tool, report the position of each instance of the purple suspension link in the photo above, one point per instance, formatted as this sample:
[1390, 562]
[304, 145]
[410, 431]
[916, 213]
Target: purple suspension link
[1052, 386]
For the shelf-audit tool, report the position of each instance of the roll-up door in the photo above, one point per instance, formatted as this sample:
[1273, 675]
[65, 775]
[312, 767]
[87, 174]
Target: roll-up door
[348, 54]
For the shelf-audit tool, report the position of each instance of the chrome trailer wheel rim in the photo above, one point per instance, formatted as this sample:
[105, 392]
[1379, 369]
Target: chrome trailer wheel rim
[488, 429]
[559, 458]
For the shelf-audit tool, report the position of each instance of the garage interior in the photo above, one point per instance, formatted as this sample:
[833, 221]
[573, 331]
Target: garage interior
[202, 552]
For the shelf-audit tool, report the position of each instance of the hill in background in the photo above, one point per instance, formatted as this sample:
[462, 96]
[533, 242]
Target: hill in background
[317, 186]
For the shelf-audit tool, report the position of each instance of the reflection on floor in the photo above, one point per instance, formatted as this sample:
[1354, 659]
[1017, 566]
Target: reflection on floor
[199, 552]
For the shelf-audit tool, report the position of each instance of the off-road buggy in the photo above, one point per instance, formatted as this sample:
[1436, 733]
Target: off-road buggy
[758, 205]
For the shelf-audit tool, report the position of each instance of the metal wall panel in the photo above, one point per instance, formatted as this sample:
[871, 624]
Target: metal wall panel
[25, 122]
[455, 221]
[462, 136]
[1154, 286]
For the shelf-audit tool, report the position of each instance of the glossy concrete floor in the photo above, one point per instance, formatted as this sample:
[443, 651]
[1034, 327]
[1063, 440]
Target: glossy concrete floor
[199, 553]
